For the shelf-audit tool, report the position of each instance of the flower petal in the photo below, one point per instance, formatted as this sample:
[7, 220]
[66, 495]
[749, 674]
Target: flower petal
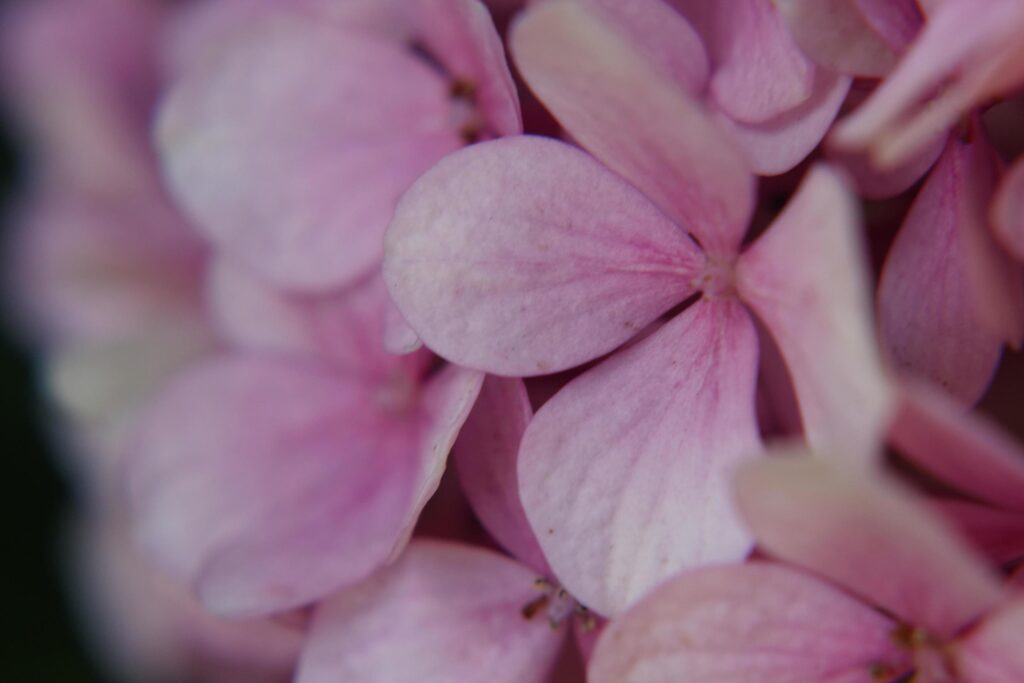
[442, 613]
[290, 149]
[996, 533]
[963, 449]
[755, 622]
[992, 653]
[806, 279]
[270, 482]
[867, 536]
[524, 256]
[1008, 211]
[625, 473]
[485, 457]
[948, 297]
[643, 126]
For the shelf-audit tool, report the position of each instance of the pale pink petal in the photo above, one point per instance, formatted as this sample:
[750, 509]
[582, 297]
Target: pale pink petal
[966, 52]
[947, 294]
[1008, 211]
[996, 533]
[620, 106]
[992, 652]
[838, 36]
[442, 613]
[806, 279]
[869, 536]
[963, 449]
[776, 145]
[663, 35]
[399, 337]
[524, 256]
[873, 182]
[290, 149]
[485, 457]
[269, 482]
[461, 35]
[739, 624]
[625, 473]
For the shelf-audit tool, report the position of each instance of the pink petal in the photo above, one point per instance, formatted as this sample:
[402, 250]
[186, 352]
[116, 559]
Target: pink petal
[838, 36]
[868, 536]
[269, 483]
[992, 653]
[777, 145]
[625, 473]
[461, 35]
[662, 35]
[966, 54]
[806, 279]
[643, 126]
[485, 456]
[524, 256]
[737, 624]
[898, 21]
[882, 183]
[1008, 211]
[442, 613]
[963, 449]
[291, 148]
[399, 337]
[996, 533]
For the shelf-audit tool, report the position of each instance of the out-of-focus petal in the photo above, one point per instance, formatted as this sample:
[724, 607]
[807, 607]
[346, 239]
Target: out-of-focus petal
[898, 21]
[964, 450]
[996, 533]
[1008, 211]
[992, 652]
[948, 297]
[967, 51]
[291, 148]
[625, 473]
[867, 536]
[806, 279]
[621, 107]
[837, 35]
[269, 483]
[755, 622]
[485, 457]
[881, 183]
[461, 35]
[442, 613]
[524, 256]
[776, 145]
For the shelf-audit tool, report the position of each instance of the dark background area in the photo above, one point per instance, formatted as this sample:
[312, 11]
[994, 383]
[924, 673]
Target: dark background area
[40, 643]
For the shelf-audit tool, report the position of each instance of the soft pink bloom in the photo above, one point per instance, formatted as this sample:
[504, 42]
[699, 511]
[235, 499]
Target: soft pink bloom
[526, 256]
[278, 473]
[898, 596]
[290, 142]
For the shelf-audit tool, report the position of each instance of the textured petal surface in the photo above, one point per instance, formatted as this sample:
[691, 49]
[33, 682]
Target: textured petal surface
[1008, 211]
[992, 653]
[869, 537]
[291, 148]
[442, 613]
[269, 483]
[620, 106]
[941, 275]
[461, 35]
[963, 449]
[625, 473]
[806, 280]
[524, 256]
[756, 622]
[485, 457]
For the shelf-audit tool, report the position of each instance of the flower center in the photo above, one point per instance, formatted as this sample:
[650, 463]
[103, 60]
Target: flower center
[928, 659]
[558, 605]
[717, 280]
[465, 113]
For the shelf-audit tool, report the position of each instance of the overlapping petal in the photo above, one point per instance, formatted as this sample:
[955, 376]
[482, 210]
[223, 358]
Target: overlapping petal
[442, 613]
[625, 473]
[524, 256]
[622, 109]
[992, 653]
[1008, 211]
[869, 537]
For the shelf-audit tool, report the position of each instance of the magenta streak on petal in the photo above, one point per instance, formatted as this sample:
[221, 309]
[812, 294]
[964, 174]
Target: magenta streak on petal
[625, 473]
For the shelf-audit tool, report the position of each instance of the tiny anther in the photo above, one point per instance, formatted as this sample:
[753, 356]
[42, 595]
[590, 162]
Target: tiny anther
[531, 608]
[463, 89]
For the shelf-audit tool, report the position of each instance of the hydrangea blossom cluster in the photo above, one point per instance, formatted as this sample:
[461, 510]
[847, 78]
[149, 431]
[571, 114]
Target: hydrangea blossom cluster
[620, 341]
